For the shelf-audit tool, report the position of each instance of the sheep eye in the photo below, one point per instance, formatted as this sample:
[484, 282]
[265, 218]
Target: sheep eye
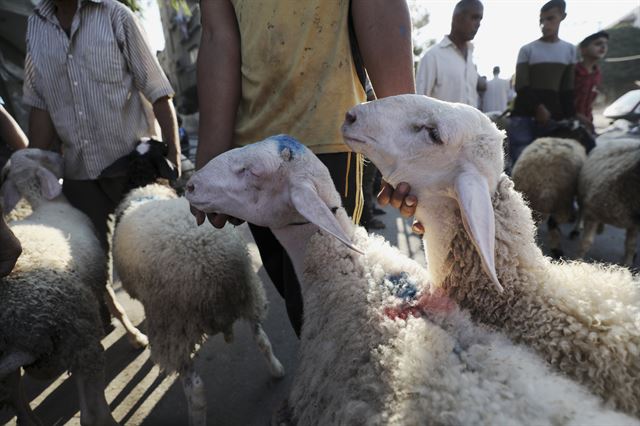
[434, 134]
[418, 128]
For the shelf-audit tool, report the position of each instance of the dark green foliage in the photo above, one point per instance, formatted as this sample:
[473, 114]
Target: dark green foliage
[620, 77]
[131, 4]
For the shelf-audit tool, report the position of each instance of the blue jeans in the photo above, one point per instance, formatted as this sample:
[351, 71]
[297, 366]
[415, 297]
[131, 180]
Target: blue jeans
[521, 132]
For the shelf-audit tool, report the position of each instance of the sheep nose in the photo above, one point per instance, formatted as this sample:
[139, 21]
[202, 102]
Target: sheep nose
[350, 117]
[190, 187]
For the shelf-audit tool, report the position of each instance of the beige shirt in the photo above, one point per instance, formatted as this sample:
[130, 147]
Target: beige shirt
[444, 73]
[97, 84]
[298, 75]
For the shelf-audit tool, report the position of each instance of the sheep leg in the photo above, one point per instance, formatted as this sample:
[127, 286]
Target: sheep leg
[264, 345]
[577, 227]
[94, 409]
[17, 399]
[13, 361]
[630, 245]
[136, 337]
[196, 400]
[589, 234]
[555, 237]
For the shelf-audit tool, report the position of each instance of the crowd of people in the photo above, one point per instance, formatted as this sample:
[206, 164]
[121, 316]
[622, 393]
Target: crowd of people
[552, 82]
[95, 89]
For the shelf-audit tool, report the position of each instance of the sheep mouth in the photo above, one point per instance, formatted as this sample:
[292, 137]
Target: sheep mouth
[351, 140]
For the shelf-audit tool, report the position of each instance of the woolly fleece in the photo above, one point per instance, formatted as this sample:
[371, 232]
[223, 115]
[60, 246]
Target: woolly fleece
[192, 281]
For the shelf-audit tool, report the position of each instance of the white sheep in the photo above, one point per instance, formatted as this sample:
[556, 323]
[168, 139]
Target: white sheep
[547, 175]
[582, 318]
[21, 187]
[364, 357]
[49, 314]
[191, 281]
[608, 193]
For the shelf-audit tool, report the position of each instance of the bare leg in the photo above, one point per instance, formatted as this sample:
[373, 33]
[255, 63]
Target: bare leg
[135, 336]
[264, 345]
[196, 399]
[13, 384]
[630, 245]
[94, 409]
[588, 235]
[10, 248]
[555, 236]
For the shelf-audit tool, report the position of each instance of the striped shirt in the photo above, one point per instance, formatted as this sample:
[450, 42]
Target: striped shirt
[97, 84]
[545, 75]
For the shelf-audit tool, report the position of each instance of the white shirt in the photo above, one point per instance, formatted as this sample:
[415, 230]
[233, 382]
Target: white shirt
[444, 73]
[496, 96]
[97, 84]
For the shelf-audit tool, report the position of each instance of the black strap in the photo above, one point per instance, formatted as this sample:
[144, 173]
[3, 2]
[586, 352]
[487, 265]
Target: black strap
[355, 53]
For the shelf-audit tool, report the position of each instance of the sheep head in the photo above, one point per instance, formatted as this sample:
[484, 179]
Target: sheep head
[440, 149]
[273, 183]
[34, 174]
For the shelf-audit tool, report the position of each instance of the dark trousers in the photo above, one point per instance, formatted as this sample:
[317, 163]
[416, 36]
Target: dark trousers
[97, 199]
[346, 172]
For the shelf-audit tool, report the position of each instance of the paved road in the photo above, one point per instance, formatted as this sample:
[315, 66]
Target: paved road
[239, 389]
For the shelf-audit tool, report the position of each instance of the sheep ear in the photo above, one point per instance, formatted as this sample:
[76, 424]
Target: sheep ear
[50, 188]
[10, 195]
[472, 193]
[308, 203]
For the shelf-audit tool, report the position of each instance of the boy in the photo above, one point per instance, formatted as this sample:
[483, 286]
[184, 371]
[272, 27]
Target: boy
[588, 76]
[544, 82]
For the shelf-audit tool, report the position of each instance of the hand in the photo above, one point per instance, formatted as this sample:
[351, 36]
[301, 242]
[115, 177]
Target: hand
[542, 115]
[586, 122]
[216, 219]
[401, 200]
[176, 159]
[10, 250]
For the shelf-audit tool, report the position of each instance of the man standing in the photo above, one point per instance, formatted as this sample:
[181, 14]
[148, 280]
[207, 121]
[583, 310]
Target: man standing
[446, 71]
[92, 80]
[588, 76]
[285, 66]
[544, 82]
[496, 96]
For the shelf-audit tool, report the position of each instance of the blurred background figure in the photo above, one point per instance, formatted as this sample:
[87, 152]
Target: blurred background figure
[588, 76]
[496, 97]
[446, 71]
[184, 138]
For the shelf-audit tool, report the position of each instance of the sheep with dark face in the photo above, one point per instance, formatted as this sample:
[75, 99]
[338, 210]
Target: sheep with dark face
[379, 344]
[582, 318]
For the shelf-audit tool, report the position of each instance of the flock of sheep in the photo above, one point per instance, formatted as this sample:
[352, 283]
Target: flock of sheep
[492, 332]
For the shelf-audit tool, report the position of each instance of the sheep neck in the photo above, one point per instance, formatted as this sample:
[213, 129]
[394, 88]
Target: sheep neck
[295, 239]
[438, 214]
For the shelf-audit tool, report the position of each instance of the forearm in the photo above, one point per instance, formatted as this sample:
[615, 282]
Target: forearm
[11, 132]
[383, 30]
[219, 79]
[42, 134]
[166, 115]
[10, 248]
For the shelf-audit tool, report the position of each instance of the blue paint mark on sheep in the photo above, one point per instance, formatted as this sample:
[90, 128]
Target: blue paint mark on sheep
[287, 142]
[401, 285]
